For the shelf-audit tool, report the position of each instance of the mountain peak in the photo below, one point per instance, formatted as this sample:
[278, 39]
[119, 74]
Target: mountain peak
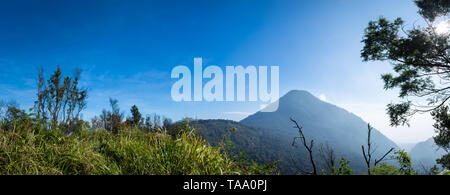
[322, 122]
[295, 96]
[298, 93]
[295, 99]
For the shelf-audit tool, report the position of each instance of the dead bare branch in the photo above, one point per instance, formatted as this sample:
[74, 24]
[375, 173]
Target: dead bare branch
[308, 148]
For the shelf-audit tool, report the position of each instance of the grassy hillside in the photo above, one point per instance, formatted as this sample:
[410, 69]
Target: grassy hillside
[129, 152]
[257, 143]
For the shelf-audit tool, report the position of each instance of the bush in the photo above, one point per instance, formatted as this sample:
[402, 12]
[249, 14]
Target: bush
[385, 169]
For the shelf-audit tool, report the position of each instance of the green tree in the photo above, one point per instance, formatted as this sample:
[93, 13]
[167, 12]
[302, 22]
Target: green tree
[110, 120]
[115, 116]
[442, 139]
[136, 117]
[434, 170]
[405, 163]
[343, 169]
[60, 99]
[148, 124]
[385, 169]
[420, 58]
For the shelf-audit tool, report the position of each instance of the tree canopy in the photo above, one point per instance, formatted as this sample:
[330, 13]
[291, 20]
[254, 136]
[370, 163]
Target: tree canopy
[420, 59]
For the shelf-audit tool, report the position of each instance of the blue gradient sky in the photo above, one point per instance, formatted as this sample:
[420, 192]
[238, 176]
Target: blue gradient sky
[128, 48]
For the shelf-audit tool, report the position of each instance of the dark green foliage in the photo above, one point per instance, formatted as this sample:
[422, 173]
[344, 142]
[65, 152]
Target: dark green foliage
[434, 170]
[384, 169]
[147, 124]
[442, 126]
[421, 60]
[343, 169]
[397, 113]
[244, 143]
[444, 161]
[115, 116]
[111, 120]
[405, 163]
[16, 119]
[433, 9]
[442, 139]
[241, 156]
[418, 57]
[168, 126]
[136, 117]
[60, 100]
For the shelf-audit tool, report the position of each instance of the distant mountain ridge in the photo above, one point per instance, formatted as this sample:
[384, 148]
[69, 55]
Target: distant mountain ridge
[271, 133]
[407, 146]
[425, 153]
[323, 122]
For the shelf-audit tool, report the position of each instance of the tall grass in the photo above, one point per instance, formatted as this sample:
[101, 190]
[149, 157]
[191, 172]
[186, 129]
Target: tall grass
[129, 152]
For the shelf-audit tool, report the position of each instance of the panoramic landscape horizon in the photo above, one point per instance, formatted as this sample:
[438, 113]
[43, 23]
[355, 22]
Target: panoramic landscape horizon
[125, 52]
[197, 87]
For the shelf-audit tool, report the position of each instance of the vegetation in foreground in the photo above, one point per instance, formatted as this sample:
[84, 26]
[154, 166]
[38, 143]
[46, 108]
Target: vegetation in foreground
[53, 139]
[420, 60]
[130, 152]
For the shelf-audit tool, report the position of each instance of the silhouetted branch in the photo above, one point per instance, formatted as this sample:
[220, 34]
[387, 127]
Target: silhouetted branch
[368, 155]
[384, 156]
[328, 157]
[309, 148]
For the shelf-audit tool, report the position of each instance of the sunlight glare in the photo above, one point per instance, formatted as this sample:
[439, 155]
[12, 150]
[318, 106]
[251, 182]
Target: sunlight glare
[443, 27]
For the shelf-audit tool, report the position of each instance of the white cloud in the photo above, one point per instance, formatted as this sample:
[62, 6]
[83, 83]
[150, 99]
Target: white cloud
[323, 97]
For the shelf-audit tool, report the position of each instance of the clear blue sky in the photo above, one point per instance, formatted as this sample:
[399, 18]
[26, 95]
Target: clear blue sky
[128, 48]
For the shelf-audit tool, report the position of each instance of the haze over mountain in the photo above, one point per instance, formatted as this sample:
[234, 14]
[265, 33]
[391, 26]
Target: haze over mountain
[269, 135]
[425, 153]
[406, 146]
